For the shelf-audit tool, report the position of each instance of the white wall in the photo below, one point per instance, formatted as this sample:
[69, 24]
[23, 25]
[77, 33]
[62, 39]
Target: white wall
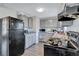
[49, 23]
[75, 26]
[36, 27]
[7, 12]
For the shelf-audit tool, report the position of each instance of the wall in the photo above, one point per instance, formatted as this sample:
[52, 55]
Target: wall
[7, 12]
[49, 23]
[36, 27]
[75, 26]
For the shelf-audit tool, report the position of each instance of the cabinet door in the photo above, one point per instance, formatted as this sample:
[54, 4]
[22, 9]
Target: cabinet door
[30, 40]
[27, 41]
[34, 38]
[30, 22]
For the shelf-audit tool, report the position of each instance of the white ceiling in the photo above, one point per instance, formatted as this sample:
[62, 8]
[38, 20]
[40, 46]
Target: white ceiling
[51, 9]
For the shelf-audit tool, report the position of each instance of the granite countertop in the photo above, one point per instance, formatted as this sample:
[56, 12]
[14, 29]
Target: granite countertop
[29, 32]
[70, 49]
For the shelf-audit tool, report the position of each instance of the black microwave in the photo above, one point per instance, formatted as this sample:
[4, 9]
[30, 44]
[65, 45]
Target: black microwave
[43, 30]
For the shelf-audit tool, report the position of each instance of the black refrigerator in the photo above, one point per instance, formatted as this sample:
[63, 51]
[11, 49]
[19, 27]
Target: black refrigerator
[12, 36]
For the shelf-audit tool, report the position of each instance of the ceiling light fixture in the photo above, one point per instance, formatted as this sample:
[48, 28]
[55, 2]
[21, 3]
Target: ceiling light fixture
[40, 10]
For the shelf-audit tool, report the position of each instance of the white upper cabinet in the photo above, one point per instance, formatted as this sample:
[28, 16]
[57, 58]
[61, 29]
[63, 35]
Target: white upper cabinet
[30, 22]
[25, 20]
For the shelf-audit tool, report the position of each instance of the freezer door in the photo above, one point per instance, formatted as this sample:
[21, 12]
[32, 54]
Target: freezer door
[16, 24]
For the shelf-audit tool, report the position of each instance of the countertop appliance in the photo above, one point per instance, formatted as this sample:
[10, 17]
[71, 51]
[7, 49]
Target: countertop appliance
[12, 39]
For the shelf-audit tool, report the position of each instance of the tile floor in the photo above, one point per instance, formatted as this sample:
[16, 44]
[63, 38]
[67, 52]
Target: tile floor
[35, 50]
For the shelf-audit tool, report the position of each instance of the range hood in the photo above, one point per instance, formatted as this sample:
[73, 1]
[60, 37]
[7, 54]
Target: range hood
[69, 13]
[66, 19]
[74, 10]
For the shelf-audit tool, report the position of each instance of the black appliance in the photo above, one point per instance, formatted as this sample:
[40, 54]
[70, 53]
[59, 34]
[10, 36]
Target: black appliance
[12, 36]
[43, 30]
[66, 19]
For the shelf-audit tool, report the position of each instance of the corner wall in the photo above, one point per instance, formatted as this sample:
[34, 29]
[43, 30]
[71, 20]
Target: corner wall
[75, 26]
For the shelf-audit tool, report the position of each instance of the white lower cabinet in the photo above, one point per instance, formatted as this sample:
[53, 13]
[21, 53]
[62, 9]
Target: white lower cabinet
[30, 39]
